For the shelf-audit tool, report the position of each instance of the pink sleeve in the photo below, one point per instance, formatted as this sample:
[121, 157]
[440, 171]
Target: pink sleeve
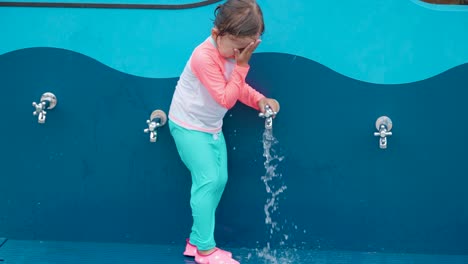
[209, 72]
[250, 96]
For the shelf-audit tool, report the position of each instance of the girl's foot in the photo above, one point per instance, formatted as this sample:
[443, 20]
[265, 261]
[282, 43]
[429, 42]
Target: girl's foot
[218, 256]
[191, 250]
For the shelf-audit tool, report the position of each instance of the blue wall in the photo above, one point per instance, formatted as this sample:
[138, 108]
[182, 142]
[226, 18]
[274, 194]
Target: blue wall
[90, 174]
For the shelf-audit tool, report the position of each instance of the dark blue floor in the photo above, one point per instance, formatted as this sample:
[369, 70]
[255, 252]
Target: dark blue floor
[49, 252]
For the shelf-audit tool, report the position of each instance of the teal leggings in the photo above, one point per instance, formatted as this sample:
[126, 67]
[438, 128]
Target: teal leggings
[205, 156]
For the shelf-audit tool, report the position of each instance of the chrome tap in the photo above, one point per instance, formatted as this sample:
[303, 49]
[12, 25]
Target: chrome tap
[268, 115]
[157, 119]
[48, 101]
[383, 125]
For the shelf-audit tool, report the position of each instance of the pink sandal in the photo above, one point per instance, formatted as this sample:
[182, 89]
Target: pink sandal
[218, 256]
[191, 250]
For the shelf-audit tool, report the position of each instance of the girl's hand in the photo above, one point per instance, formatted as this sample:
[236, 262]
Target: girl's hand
[274, 105]
[243, 57]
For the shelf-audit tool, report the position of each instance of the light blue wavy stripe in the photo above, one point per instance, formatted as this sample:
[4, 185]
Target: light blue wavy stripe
[386, 42]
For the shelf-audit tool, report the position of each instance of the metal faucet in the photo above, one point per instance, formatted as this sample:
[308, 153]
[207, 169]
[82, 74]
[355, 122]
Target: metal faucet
[157, 119]
[383, 125]
[268, 115]
[48, 101]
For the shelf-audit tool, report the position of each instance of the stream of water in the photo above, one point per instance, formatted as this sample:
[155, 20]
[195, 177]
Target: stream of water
[275, 187]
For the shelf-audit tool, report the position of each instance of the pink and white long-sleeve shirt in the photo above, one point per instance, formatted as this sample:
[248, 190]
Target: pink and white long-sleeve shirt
[210, 85]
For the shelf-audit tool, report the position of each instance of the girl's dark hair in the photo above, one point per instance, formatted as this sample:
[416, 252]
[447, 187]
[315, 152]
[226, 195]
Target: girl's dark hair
[240, 18]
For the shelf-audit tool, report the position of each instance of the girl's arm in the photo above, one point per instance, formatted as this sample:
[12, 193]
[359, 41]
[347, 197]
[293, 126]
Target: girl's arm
[207, 70]
[250, 96]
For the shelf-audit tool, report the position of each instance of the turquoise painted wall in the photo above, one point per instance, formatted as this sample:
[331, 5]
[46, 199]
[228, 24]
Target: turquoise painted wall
[376, 41]
[90, 174]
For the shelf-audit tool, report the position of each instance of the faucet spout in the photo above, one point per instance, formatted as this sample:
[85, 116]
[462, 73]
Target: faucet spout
[153, 136]
[269, 123]
[41, 117]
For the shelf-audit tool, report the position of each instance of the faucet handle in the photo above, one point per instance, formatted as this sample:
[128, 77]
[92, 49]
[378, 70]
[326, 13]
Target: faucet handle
[39, 108]
[383, 132]
[151, 126]
[268, 112]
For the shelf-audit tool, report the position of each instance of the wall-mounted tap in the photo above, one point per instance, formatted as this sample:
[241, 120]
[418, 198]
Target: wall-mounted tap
[268, 115]
[48, 101]
[157, 119]
[383, 125]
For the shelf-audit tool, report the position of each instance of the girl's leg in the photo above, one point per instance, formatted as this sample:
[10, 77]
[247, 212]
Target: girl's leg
[205, 156]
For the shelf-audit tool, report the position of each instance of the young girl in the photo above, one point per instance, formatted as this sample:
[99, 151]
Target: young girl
[211, 83]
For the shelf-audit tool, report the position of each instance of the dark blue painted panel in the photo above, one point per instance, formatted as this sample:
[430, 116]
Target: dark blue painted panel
[90, 174]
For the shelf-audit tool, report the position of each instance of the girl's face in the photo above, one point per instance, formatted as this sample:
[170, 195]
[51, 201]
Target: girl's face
[228, 43]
